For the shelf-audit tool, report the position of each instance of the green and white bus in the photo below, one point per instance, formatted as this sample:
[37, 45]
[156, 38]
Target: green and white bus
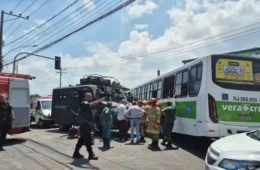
[215, 96]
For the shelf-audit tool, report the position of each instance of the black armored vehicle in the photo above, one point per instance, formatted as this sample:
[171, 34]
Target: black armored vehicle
[66, 100]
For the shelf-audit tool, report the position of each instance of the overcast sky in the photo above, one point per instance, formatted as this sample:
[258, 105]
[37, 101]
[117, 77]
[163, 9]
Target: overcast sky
[121, 45]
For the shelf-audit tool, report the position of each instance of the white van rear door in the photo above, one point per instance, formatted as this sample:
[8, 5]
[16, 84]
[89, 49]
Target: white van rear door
[19, 97]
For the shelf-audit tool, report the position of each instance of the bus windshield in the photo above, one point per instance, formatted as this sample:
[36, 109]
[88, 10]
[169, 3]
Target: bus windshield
[46, 104]
[236, 72]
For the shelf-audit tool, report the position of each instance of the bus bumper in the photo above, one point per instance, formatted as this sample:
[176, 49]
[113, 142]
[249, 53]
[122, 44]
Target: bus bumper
[226, 130]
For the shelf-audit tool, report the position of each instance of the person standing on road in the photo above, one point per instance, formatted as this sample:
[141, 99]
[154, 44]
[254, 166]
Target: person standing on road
[121, 110]
[86, 128]
[153, 123]
[134, 113]
[145, 107]
[169, 113]
[6, 118]
[106, 121]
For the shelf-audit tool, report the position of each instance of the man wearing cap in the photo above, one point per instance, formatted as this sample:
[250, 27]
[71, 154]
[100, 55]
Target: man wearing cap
[134, 113]
[153, 123]
[145, 107]
[121, 110]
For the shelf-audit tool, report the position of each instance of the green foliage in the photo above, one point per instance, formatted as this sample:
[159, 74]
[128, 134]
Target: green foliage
[116, 85]
[34, 95]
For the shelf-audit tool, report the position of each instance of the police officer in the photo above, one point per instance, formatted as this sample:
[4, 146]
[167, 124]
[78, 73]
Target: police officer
[6, 117]
[169, 113]
[106, 122]
[86, 127]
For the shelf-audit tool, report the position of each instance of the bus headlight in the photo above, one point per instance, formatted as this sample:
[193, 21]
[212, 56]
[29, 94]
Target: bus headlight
[239, 165]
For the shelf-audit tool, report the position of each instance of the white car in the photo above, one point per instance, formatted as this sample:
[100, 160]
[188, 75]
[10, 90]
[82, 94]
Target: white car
[235, 152]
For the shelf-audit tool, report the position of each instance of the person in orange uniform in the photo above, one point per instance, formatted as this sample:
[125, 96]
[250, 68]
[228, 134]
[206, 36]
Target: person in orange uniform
[142, 120]
[153, 123]
[149, 103]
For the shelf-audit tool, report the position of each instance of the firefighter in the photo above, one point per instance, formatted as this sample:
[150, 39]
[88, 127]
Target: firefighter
[149, 103]
[107, 118]
[145, 107]
[153, 123]
[169, 113]
[86, 127]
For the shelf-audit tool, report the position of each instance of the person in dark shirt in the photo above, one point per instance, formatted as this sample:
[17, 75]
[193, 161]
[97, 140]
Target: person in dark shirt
[86, 129]
[6, 117]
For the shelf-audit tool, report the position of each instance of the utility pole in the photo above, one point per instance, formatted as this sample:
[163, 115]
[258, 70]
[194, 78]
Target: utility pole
[16, 68]
[2, 32]
[61, 73]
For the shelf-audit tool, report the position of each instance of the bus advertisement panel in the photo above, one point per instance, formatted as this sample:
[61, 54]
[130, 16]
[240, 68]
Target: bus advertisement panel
[239, 79]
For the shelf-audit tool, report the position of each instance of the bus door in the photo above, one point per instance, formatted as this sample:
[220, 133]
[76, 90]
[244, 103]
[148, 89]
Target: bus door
[20, 100]
[185, 106]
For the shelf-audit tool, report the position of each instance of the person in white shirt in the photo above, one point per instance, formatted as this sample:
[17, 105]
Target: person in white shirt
[134, 112]
[121, 110]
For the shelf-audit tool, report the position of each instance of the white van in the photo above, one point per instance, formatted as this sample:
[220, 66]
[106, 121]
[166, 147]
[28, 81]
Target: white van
[41, 111]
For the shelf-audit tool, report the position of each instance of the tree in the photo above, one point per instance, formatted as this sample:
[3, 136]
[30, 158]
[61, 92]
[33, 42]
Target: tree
[34, 95]
[117, 85]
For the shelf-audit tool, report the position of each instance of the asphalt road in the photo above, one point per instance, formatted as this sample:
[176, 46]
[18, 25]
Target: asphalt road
[44, 149]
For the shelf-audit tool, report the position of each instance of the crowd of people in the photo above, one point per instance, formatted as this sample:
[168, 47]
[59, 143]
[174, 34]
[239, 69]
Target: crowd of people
[144, 117]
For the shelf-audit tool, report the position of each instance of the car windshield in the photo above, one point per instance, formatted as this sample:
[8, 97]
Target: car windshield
[254, 135]
[46, 104]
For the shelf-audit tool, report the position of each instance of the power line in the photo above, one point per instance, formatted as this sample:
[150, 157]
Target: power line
[44, 22]
[56, 25]
[29, 6]
[141, 59]
[199, 41]
[18, 5]
[83, 27]
[15, 7]
[56, 34]
[59, 22]
[29, 16]
[21, 13]
[138, 60]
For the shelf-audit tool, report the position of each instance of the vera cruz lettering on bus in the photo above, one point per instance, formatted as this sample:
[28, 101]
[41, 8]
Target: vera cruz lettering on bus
[238, 112]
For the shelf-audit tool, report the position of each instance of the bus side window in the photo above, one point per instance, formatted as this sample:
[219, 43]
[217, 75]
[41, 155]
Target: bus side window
[195, 80]
[159, 91]
[154, 92]
[168, 87]
[181, 88]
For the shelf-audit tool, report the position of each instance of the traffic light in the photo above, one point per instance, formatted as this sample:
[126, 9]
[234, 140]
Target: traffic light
[57, 63]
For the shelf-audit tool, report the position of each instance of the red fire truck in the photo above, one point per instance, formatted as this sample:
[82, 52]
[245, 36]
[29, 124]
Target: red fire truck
[15, 88]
